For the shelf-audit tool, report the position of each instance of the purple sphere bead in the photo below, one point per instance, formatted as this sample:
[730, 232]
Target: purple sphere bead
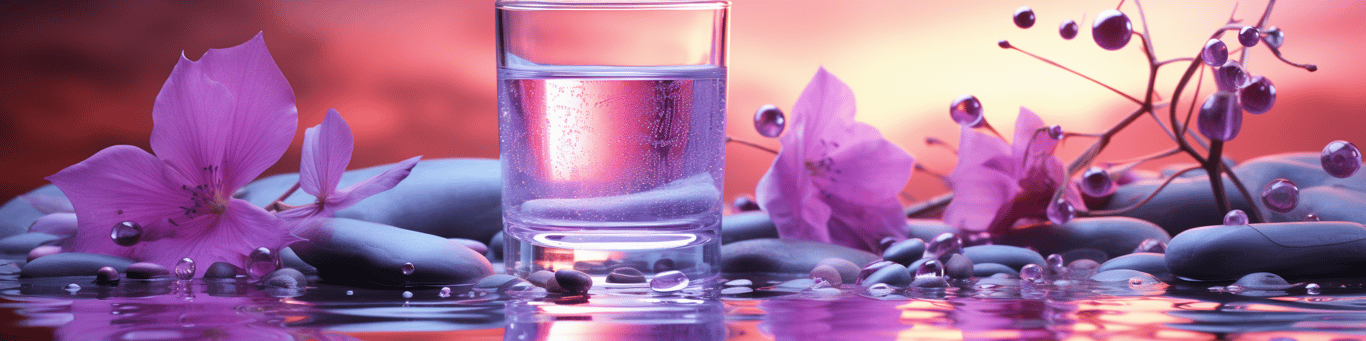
[1112, 30]
[1235, 217]
[1215, 52]
[967, 111]
[1096, 183]
[1258, 95]
[1220, 117]
[1024, 17]
[1061, 212]
[1281, 195]
[1340, 159]
[769, 121]
[1068, 29]
[1249, 36]
[1231, 76]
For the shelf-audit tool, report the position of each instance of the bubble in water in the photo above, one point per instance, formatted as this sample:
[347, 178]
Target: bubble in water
[930, 269]
[1313, 289]
[184, 269]
[945, 244]
[1031, 272]
[260, 263]
[1340, 159]
[408, 268]
[769, 121]
[445, 292]
[1061, 212]
[1235, 217]
[73, 288]
[967, 111]
[407, 294]
[1281, 195]
[669, 281]
[880, 289]
[126, 233]
[1215, 52]
[1311, 217]
[1055, 261]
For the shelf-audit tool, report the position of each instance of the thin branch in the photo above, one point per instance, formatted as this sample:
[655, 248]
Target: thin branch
[279, 203]
[1093, 80]
[751, 144]
[1146, 199]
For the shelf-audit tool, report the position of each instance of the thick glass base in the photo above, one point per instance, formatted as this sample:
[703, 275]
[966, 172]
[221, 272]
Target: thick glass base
[696, 255]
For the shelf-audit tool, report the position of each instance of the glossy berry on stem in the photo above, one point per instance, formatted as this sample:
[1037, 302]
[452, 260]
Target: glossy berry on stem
[1096, 183]
[1231, 76]
[967, 111]
[1275, 37]
[1055, 132]
[1060, 212]
[1068, 29]
[1249, 36]
[1281, 195]
[1215, 52]
[1220, 117]
[1112, 30]
[1024, 17]
[1340, 159]
[1258, 95]
[769, 121]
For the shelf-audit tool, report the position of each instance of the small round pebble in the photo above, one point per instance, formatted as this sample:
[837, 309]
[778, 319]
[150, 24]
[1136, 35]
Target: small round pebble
[663, 265]
[905, 252]
[145, 270]
[287, 278]
[573, 281]
[540, 278]
[107, 276]
[848, 270]
[222, 270]
[892, 274]
[828, 274]
[625, 275]
[43, 250]
[958, 267]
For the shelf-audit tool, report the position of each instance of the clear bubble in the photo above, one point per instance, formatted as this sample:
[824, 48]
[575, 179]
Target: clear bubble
[669, 281]
[967, 111]
[1061, 212]
[1055, 261]
[184, 269]
[445, 292]
[930, 269]
[1341, 159]
[1152, 245]
[1313, 289]
[871, 268]
[881, 289]
[1215, 52]
[1281, 195]
[1068, 29]
[1112, 30]
[407, 294]
[1235, 217]
[1024, 17]
[1031, 272]
[769, 121]
[126, 233]
[1249, 36]
[261, 262]
[408, 268]
[944, 244]
[73, 288]
[1258, 96]
[1220, 118]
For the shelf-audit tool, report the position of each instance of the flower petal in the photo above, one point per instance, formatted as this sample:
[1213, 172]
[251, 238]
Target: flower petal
[867, 169]
[821, 114]
[232, 109]
[326, 152]
[1027, 127]
[118, 184]
[863, 226]
[58, 224]
[48, 204]
[384, 181]
[227, 237]
[980, 188]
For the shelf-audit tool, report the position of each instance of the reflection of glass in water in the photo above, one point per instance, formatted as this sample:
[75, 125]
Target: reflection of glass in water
[605, 319]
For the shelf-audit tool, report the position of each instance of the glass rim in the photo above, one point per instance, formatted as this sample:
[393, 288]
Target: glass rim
[534, 5]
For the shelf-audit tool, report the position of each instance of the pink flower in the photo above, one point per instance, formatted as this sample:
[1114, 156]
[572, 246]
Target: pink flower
[995, 183]
[217, 124]
[835, 180]
[327, 151]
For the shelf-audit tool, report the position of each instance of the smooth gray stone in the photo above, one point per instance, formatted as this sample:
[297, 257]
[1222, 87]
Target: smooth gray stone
[573, 281]
[57, 224]
[348, 251]
[72, 264]
[1116, 236]
[906, 251]
[1330, 198]
[145, 270]
[1124, 275]
[1097, 256]
[451, 198]
[499, 282]
[848, 270]
[221, 270]
[16, 215]
[21, 244]
[1184, 204]
[988, 269]
[1296, 249]
[958, 267]
[1012, 256]
[929, 282]
[746, 226]
[1147, 262]
[893, 274]
[927, 229]
[285, 278]
[475, 245]
[541, 278]
[625, 275]
[784, 256]
[291, 260]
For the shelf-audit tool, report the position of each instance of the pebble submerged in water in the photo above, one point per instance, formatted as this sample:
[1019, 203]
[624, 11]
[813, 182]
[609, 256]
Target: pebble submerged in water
[354, 252]
[573, 282]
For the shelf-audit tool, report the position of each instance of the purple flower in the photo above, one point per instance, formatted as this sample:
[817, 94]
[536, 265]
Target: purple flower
[327, 151]
[217, 124]
[995, 183]
[835, 180]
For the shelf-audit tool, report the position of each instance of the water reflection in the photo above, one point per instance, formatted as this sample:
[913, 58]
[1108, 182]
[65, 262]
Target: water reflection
[615, 318]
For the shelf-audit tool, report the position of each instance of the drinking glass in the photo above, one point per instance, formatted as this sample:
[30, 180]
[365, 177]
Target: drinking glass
[611, 135]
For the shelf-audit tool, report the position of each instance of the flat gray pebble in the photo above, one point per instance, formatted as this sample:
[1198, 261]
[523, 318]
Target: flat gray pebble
[1014, 257]
[990, 269]
[72, 264]
[894, 275]
[221, 270]
[906, 251]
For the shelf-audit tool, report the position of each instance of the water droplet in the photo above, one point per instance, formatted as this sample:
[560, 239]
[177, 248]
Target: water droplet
[126, 233]
[1153, 245]
[1135, 281]
[1031, 272]
[1235, 217]
[350, 292]
[1281, 195]
[1220, 118]
[407, 294]
[1112, 30]
[73, 288]
[769, 121]
[107, 275]
[669, 281]
[1313, 289]
[1340, 159]
[1061, 212]
[184, 269]
[930, 269]
[1024, 17]
[1096, 183]
[1215, 52]
[1311, 217]
[945, 244]
[261, 262]
[445, 292]
[1055, 261]
[1068, 29]
[880, 289]
[1249, 36]
[967, 111]
[408, 268]
[1258, 96]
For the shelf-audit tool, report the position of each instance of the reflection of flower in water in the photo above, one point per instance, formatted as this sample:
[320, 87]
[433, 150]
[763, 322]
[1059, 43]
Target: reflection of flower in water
[176, 317]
